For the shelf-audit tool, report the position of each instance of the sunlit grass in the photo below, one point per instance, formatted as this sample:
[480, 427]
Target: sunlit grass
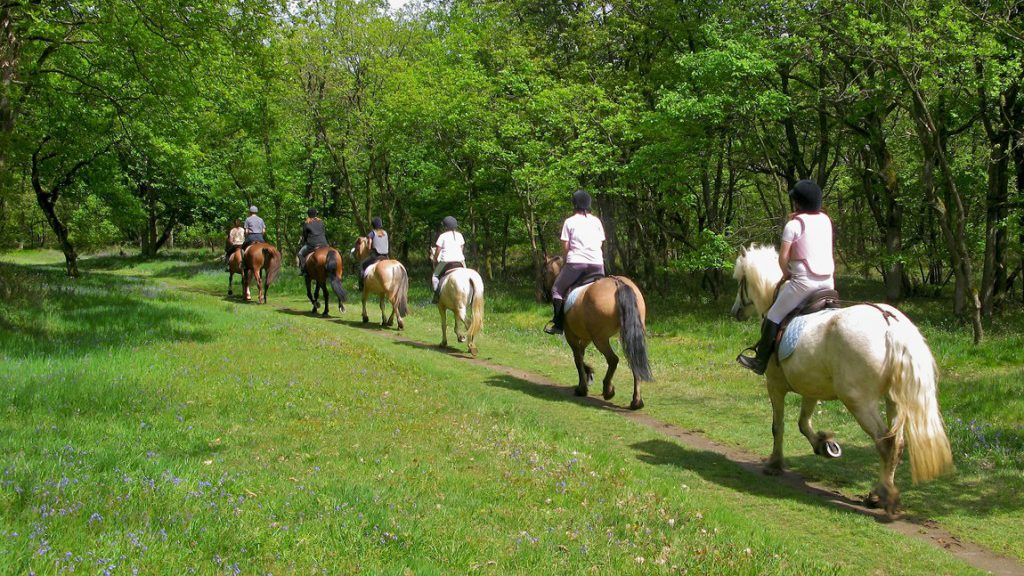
[151, 424]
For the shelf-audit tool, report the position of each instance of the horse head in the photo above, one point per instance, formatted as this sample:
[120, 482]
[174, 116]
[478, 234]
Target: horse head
[361, 249]
[552, 266]
[757, 273]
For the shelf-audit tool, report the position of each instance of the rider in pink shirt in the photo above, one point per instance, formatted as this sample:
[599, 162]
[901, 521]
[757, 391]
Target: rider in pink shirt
[805, 257]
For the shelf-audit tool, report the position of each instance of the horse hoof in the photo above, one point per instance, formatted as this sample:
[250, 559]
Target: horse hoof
[580, 391]
[771, 470]
[872, 500]
[230, 292]
[472, 351]
[462, 339]
[366, 320]
[832, 449]
[609, 394]
[636, 405]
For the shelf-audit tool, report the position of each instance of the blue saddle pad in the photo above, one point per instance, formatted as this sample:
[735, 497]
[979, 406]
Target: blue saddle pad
[571, 298]
[796, 327]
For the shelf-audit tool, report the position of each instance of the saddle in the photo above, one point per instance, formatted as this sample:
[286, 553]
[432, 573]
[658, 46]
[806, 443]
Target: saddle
[815, 302]
[583, 281]
[450, 267]
[575, 291]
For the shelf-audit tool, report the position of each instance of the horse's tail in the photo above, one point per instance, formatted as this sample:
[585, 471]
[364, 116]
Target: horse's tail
[912, 377]
[273, 259]
[333, 269]
[632, 332]
[476, 301]
[401, 293]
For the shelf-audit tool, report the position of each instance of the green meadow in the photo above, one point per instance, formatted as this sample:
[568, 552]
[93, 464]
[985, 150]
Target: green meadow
[153, 425]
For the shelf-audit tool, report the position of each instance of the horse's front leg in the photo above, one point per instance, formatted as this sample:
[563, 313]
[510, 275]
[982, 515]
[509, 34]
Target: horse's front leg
[821, 442]
[777, 394]
[366, 317]
[583, 371]
[231, 281]
[444, 326]
[310, 295]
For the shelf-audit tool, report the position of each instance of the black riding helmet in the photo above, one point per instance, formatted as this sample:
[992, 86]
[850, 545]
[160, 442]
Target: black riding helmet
[807, 195]
[311, 212]
[581, 201]
[377, 223]
[450, 223]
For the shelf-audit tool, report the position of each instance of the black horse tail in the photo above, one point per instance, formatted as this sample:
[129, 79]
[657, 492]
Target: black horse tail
[273, 259]
[402, 291]
[632, 332]
[333, 272]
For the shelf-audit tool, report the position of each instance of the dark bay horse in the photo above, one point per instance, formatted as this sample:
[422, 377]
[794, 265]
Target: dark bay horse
[389, 279]
[612, 305]
[258, 258]
[323, 265]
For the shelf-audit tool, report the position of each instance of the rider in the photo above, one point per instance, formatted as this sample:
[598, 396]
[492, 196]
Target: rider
[379, 247]
[582, 237]
[314, 236]
[806, 261]
[255, 228]
[446, 250]
[236, 236]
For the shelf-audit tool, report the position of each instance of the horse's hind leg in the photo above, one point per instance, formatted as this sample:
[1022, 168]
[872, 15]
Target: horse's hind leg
[384, 319]
[870, 419]
[777, 394]
[231, 281]
[821, 442]
[327, 296]
[460, 316]
[605, 347]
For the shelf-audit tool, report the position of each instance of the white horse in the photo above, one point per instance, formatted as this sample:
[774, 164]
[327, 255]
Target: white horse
[859, 355]
[461, 290]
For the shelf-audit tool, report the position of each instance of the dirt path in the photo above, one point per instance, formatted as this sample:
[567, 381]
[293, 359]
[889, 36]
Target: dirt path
[922, 529]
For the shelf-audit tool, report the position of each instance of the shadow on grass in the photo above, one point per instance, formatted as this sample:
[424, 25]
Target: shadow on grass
[48, 314]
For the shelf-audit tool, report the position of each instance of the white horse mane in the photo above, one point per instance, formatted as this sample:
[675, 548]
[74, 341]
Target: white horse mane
[760, 266]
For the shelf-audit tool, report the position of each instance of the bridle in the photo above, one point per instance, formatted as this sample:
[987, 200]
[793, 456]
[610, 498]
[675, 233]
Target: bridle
[745, 299]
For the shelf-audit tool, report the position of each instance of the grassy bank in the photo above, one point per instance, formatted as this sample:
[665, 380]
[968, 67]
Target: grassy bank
[151, 424]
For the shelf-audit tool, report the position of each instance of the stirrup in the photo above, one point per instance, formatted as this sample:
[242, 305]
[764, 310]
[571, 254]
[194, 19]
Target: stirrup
[553, 328]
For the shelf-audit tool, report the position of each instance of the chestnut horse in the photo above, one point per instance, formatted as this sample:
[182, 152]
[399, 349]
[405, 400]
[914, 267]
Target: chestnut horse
[321, 265]
[388, 279]
[860, 355]
[260, 257]
[611, 305]
[234, 267]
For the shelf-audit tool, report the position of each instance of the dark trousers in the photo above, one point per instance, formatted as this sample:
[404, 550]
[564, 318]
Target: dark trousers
[252, 238]
[571, 274]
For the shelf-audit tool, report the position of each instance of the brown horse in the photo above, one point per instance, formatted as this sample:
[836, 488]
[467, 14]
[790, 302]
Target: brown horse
[234, 267]
[321, 265]
[612, 305]
[260, 257]
[388, 279]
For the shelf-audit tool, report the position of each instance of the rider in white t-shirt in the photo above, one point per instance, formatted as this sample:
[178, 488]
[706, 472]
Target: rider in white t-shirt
[582, 239]
[447, 250]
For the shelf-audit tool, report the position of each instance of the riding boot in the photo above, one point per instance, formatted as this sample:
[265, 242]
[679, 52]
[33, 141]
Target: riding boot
[557, 322]
[763, 350]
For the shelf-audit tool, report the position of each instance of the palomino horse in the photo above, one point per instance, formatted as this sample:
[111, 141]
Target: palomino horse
[859, 355]
[611, 305]
[256, 259]
[462, 289]
[323, 265]
[388, 279]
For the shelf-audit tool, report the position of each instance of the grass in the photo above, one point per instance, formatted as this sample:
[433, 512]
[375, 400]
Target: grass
[151, 424]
